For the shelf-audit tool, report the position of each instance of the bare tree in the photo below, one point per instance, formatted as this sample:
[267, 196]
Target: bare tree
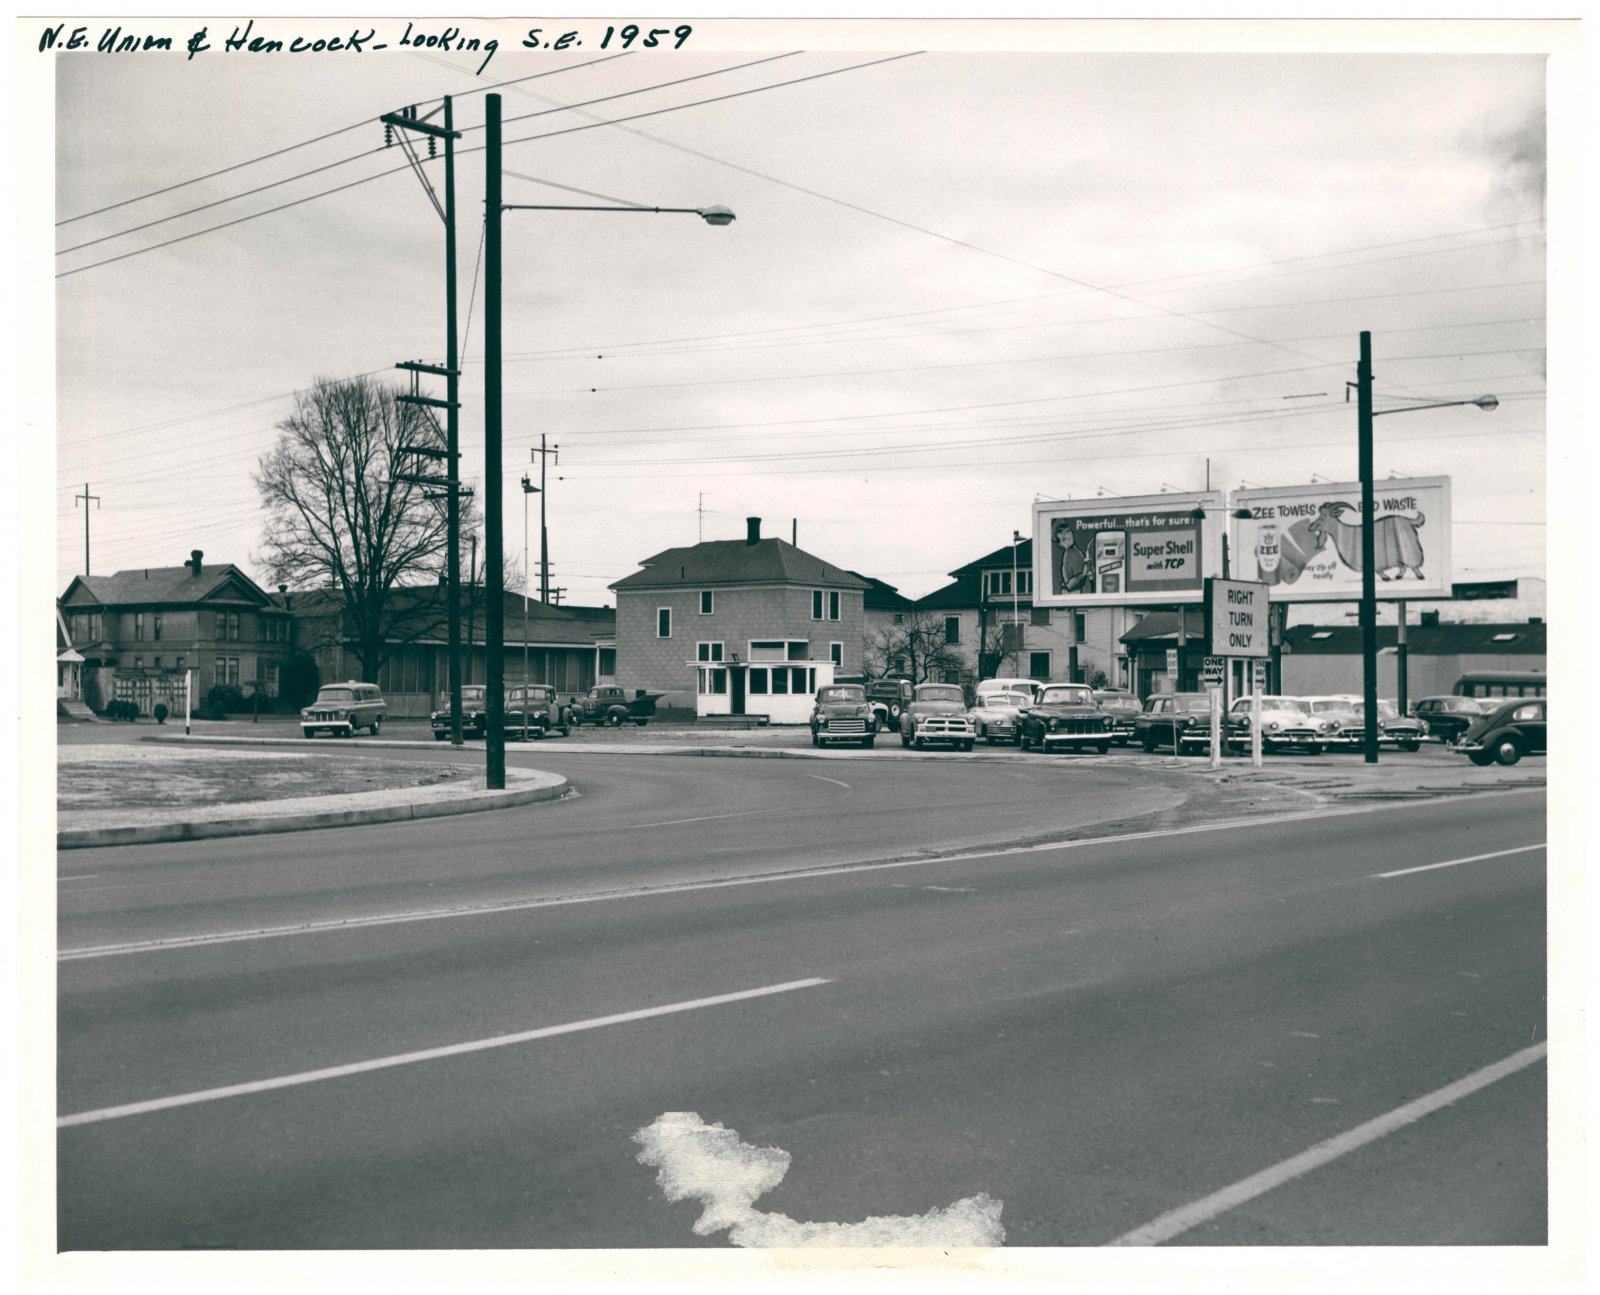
[917, 648]
[338, 517]
[1001, 648]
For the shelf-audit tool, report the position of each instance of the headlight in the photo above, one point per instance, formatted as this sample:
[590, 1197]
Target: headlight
[1272, 726]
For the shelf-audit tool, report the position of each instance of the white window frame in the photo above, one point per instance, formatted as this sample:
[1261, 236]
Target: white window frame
[835, 604]
[785, 659]
[709, 651]
[668, 611]
[708, 602]
[816, 604]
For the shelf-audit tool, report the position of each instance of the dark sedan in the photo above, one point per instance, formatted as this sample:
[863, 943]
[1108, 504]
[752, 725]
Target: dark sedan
[1447, 718]
[1122, 707]
[1507, 733]
[1181, 720]
[1065, 715]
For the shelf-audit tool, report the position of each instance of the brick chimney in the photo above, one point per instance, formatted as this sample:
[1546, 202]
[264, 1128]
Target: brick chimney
[194, 560]
[752, 533]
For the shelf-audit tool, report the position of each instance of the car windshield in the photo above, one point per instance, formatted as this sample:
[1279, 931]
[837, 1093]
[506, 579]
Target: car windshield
[1066, 697]
[1193, 705]
[1324, 705]
[840, 693]
[1385, 708]
[336, 694]
[1123, 702]
[940, 692]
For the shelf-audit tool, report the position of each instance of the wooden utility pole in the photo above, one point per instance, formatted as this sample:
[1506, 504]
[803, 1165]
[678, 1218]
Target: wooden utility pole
[544, 454]
[86, 497]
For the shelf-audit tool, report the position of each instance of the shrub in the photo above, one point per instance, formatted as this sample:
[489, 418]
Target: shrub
[226, 698]
[1099, 679]
[161, 712]
[298, 681]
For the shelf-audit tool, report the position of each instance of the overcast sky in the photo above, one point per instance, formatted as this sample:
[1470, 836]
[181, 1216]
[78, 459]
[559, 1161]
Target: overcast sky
[958, 281]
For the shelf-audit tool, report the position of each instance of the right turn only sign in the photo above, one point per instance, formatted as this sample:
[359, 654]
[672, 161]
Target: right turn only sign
[1236, 615]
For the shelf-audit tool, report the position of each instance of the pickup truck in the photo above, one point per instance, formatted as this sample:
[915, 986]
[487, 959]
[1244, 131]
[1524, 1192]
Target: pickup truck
[608, 704]
[888, 699]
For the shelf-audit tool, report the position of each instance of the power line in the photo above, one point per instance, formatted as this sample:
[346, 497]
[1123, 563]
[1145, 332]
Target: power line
[315, 139]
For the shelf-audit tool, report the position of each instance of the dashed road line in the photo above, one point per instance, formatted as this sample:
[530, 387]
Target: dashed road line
[1178, 1221]
[834, 781]
[427, 1054]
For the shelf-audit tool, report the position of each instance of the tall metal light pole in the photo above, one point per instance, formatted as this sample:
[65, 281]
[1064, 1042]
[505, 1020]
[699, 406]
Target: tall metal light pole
[1369, 575]
[494, 612]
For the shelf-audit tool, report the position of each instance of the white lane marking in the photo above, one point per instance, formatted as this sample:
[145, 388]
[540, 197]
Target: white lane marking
[1206, 1208]
[674, 822]
[713, 1165]
[1452, 863]
[427, 1054]
[686, 887]
[834, 781]
[83, 876]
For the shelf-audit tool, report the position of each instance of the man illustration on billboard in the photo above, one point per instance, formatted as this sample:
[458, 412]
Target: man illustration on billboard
[1075, 568]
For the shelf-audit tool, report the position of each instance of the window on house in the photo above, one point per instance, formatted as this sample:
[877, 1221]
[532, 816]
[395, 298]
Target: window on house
[156, 624]
[952, 676]
[758, 680]
[899, 618]
[833, 604]
[1079, 632]
[138, 626]
[713, 683]
[233, 627]
[1038, 665]
[664, 622]
[799, 650]
[1000, 584]
[1504, 638]
[898, 665]
[952, 629]
[836, 654]
[1039, 616]
[178, 664]
[269, 677]
[220, 670]
[816, 604]
[780, 681]
[233, 670]
[708, 651]
[1025, 583]
[138, 663]
[707, 601]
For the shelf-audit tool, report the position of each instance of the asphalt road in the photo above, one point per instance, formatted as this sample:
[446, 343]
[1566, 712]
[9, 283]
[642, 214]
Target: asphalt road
[1095, 1035]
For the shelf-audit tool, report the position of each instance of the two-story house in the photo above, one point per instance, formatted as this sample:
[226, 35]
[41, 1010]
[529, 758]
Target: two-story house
[993, 627]
[738, 627]
[140, 631]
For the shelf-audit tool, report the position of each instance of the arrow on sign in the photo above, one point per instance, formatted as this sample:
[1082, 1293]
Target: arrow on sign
[711, 1164]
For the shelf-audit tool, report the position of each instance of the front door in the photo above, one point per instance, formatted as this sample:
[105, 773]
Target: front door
[736, 690]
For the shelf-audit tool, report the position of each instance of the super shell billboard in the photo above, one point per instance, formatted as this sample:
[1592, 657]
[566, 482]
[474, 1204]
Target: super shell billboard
[1304, 542]
[1148, 550]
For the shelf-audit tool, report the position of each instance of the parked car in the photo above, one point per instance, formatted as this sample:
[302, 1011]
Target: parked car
[1504, 735]
[888, 699]
[843, 714]
[608, 704]
[1181, 720]
[937, 712]
[1011, 683]
[474, 713]
[1336, 722]
[1285, 722]
[342, 708]
[996, 714]
[1065, 715]
[1394, 729]
[535, 709]
[1448, 717]
[1121, 707]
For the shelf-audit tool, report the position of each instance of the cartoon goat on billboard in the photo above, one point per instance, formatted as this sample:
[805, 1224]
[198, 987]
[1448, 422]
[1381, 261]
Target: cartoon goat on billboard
[1396, 549]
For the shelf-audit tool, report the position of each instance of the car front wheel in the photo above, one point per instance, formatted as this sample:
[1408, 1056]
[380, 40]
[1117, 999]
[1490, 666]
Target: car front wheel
[377, 725]
[1149, 742]
[1507, 751]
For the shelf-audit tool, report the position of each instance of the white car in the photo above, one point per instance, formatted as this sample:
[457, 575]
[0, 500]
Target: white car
[1285, 721]
[995, 715]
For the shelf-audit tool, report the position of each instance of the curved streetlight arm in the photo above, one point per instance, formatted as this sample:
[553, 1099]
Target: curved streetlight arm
[711, 215]
[1486, 403]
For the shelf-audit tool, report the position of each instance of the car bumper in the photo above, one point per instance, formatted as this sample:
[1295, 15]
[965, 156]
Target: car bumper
[945, 730]
[311, 726]
[846, 731]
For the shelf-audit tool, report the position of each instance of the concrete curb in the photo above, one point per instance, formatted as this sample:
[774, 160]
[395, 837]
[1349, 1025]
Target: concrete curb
[550, 787]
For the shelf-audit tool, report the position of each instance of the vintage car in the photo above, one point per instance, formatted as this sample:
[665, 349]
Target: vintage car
[535, 709]
[1121, 707]
[1448, 717]
[937, 712]
[1181, 720]
[1504, 735]
[843, 714]
[474, 713]
[1337, 722]
[1064, 715]
[1394, 729]
[608, 704]
[995, 714]
[342, 708]
[1010, 683]
[1285, 722]
[888, 699]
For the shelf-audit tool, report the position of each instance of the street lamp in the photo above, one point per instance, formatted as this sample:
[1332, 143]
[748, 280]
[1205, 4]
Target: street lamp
[494, 619]
[1369, 585]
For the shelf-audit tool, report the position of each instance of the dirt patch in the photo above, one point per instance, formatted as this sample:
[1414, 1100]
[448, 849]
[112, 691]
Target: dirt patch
[127, 777]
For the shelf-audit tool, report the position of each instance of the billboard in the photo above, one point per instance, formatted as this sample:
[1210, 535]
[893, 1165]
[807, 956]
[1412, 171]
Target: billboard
[1148, 550]
[1304, 542]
